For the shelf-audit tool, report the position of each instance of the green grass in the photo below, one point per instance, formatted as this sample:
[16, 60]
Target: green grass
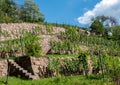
[69, 80]
[61, 55]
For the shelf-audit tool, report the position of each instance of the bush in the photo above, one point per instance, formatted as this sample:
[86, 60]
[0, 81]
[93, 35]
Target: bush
[114, 70]
[32, 45]
[33, 49]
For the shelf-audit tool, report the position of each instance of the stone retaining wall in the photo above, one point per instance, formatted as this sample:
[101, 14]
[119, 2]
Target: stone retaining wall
[3, 68]
[39, 66]
[14, 30]
[36, 66]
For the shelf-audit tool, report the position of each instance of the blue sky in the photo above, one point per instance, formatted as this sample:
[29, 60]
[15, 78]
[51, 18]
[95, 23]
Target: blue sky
[64, 11]
[75, 12]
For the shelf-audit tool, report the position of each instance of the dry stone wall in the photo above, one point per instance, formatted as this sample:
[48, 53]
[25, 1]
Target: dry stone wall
[36, 66]
[45, 42]
[47, 33]
[39, 66]
[14, 30]
[3, 68]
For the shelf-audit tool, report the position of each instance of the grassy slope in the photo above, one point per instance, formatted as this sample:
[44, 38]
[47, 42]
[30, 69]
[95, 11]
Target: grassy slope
[69, 80]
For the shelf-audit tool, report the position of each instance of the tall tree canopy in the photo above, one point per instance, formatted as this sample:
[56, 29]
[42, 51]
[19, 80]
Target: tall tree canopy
[106, 20]
[116, 33]
[102, 25]
[10, 11]
[97, 27]
[30, 12]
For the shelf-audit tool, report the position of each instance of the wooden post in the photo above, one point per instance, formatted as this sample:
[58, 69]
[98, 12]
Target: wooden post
[21, 45]
[6, 83]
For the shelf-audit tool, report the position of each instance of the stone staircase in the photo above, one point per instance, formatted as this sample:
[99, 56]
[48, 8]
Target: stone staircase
[21, 71]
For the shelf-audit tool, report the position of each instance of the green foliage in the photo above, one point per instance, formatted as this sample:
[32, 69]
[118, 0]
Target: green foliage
[101, 18]
[114, 69]
[30, 12]
[83, 58]
[61, 55]
[116, 33]
[70, 34]
[71, 40]
[28, 44]
[64, 47]
[68, 43]
[54, 65]
[109, 67]
[68, 80]
[49, 28]
[33, 49]
[32, 45]
[10, 11]
[100, 44]
[65, 66]
[107, 21]
[102, 25]
[97, 27]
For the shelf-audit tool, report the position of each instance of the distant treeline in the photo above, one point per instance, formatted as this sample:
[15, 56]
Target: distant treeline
[11, 11]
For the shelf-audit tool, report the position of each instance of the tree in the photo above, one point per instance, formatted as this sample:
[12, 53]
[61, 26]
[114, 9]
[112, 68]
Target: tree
[8, 11]
[100, 18]
[106, 20]
[97, 27]
[30, 12]
[116, 33]
[112, 21]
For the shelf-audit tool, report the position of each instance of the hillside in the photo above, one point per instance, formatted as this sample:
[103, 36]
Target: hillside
[49, 34]
[35, 49]
[46, 33]
[14, 31]
[54, 50]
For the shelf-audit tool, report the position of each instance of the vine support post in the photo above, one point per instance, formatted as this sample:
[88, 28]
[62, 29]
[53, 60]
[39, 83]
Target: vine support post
[21, 45]
[8, 69]
[84, 62]
[101, 62]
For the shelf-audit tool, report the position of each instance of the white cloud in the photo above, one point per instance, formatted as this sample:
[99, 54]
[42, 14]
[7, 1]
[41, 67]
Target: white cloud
[104, 7]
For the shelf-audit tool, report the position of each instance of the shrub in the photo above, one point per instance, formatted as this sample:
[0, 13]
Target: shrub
[32, 45]
[33, 49]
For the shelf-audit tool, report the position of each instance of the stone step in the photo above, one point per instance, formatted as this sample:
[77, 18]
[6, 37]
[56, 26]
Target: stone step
[25, 72]
[21, 69]
[28, 74]
[33, 77]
